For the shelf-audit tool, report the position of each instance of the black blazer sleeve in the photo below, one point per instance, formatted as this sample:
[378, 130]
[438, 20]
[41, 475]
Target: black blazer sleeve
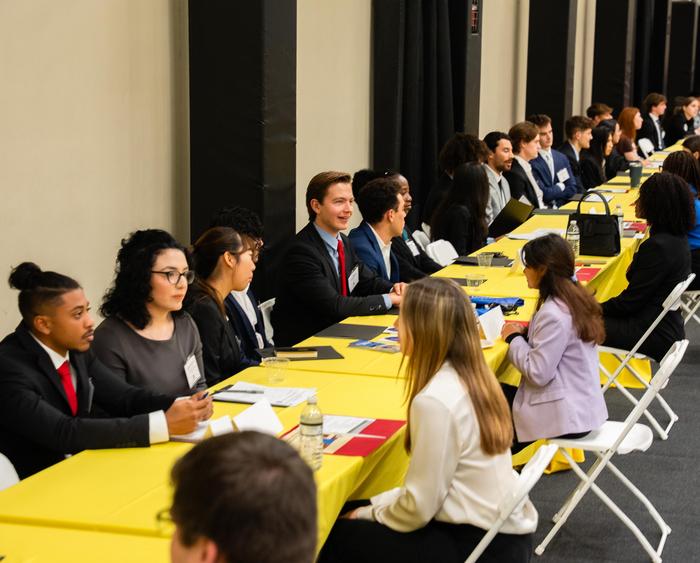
[220, 349]
[412, 267]
[25, 410]
[307, 282]
[647, 273]
[591, 173]
[458, 229]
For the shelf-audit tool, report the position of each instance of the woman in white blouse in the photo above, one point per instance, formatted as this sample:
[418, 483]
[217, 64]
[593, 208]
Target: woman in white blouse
[459, 434]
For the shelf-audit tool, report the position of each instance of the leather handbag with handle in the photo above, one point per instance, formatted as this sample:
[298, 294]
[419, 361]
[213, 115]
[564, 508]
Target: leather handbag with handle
[600, 234]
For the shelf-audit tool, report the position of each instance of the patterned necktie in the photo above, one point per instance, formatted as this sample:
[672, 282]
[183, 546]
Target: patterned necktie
[341, 267]
[550, 163]
[64, 371]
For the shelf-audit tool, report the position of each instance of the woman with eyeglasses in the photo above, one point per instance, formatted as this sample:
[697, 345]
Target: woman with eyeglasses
[223, 264]
[146, 336]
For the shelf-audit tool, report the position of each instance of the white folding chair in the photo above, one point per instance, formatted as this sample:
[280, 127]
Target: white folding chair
[690, 303]
[528, 478]
[442, 252]
[617, 438]
[266, 310]
[421, 239]
[426, 229]
[646, 146]
[8, 475]
[624, 357]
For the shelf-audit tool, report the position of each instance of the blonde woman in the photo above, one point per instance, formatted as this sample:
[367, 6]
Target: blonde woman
[459, 435]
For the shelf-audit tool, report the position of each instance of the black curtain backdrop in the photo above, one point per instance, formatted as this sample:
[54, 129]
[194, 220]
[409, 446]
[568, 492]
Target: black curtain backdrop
[682, 49]
[644, 46]
[414, 89]
[657, 51]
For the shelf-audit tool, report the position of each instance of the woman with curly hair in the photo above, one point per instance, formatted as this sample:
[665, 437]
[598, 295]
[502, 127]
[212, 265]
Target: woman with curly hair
[146, 337]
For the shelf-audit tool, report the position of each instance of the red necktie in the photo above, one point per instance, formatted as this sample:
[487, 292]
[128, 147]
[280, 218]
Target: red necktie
[64, 372]
[341, 267]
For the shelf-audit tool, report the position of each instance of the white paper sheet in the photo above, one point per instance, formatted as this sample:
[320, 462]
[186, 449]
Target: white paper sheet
[492, 322]
[277, 396]
[334, 424]
[260, 417]
[534, 234]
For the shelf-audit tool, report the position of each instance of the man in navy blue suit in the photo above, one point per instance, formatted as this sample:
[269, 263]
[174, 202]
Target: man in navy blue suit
[384, 216]
[551, 168]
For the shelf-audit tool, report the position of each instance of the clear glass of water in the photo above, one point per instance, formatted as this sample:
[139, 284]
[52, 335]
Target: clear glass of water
[484, 259]
[276, 368]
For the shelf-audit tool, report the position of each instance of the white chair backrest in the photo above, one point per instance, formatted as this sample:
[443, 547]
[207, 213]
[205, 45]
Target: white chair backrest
[442, 252]
[421, 239]
[675, 296]
[266, 310]
[528, 478]
[646, 146]
[667, 366]
[8, 475]
[426, 229]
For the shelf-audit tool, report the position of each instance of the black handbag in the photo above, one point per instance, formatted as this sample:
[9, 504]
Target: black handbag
[600, 234]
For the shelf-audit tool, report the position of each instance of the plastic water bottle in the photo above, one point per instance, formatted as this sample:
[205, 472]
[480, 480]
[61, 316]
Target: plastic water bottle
[573, 237]
[311, 434]
[620, 219]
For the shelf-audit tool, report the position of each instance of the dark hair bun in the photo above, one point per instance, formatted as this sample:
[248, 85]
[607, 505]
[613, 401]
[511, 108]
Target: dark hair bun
[25, 276]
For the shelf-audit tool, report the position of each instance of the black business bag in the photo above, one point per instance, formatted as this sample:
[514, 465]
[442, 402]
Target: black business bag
[600, 234]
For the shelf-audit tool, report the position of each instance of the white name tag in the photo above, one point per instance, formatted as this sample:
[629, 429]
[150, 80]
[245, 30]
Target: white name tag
[353, 279]
[413, 247]
[192, 371]
[563, 175]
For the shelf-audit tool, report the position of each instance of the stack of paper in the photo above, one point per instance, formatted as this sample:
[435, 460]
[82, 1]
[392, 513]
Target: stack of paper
[244, 392]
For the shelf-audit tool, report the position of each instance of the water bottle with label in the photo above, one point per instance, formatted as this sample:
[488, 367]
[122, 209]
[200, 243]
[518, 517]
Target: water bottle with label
[573, 237]
[311, 434]
[620, 219]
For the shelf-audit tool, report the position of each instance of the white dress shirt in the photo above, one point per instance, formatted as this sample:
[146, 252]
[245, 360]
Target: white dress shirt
[535, 186]
[449, 477]
[157, 425]
[385, 249]
[657, 124]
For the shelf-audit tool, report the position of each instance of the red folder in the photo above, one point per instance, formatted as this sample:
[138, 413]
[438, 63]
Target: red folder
[363, 446]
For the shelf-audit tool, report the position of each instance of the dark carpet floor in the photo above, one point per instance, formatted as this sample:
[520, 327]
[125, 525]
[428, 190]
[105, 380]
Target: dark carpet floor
[668, 473]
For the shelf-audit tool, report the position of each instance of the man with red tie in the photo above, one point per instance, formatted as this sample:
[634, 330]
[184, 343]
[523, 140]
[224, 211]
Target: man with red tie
[321, 280]
[56, 398]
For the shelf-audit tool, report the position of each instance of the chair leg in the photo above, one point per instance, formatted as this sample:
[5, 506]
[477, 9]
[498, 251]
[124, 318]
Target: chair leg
[669, 411]
[652, 420]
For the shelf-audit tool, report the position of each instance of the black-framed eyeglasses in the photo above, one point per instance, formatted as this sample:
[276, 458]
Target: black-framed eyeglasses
[164, 520]
[173, 276]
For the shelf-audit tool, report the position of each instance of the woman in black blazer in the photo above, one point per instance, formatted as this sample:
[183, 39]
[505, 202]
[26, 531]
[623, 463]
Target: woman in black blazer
[680, 123]
[222, 264]
[661, 262]
[593, 158]
[461, 217]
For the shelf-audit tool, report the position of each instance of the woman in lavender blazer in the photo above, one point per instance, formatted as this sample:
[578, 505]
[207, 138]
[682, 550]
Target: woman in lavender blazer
[559, 393]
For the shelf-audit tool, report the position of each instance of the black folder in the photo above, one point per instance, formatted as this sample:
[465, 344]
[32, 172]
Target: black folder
[514, 214]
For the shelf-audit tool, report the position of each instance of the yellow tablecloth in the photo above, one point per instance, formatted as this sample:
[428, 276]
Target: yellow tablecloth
[38, 544]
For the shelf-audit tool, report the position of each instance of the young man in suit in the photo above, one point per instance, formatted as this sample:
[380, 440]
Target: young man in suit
[384, 217]
[242, 307]
[55, 393]
[598, 112]
[523, 186]
[655, 105]
[245, 472]
[579, 131]
[551, 169]
[321, 279]
[500, 160]
[414, 263]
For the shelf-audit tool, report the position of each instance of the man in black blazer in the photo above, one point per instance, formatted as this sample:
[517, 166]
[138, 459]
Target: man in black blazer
[579, 131]
[321, 280]
[525, 137]
[56, 397]
[655, 107]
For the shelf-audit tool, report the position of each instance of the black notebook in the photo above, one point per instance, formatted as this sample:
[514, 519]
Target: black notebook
[514, 214]
[355, 332]
[324, 353]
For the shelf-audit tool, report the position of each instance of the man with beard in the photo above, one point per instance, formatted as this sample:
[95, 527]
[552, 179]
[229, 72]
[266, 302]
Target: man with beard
[500, 160]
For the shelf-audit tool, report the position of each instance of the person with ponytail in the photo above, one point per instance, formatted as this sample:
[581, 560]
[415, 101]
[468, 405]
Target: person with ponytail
[56, 396]
[146, 337]
[223, 264]
[458, 434]
[559, 394]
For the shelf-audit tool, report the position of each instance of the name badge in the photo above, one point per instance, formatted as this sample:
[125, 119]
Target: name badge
[353, 279]
[192, 371]
[563, 175]
[413, 247]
